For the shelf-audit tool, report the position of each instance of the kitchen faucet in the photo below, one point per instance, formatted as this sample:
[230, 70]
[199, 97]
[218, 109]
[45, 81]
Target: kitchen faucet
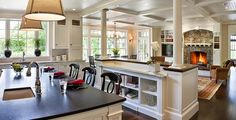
[37, 81]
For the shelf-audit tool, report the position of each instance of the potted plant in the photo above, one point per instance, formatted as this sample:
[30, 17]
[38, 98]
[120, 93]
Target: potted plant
[115, 51]
[37, 51]
[7, 52]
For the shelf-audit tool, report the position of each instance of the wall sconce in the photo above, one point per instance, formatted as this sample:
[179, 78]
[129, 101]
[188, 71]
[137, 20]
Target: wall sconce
[131, 37]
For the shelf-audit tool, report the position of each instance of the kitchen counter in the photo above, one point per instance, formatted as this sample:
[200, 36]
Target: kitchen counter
[133, 70]
[182, 68]
[164, 64]
[41, 62]
[51, 103]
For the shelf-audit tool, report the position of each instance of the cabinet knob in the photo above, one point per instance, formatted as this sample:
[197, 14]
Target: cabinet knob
[70, 44]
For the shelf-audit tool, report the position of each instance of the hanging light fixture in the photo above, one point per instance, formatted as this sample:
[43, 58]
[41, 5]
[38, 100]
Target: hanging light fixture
[45, 10]
[115, 35]
[30, 25]
[230, 5]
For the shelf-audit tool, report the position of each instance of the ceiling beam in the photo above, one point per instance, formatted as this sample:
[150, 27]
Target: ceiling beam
[208, 2]
[119, 17]
[125, 22]
[105, 4]
[124, 10]
[186, 17]
[92, 18]
[145, 12]
[223, 13]
[200, 10]
[155, 17]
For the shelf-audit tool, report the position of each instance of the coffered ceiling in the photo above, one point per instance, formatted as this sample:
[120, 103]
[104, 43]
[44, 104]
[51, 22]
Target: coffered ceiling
[139, 12]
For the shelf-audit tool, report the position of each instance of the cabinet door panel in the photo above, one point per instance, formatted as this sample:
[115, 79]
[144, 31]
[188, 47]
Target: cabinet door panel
[61, 39]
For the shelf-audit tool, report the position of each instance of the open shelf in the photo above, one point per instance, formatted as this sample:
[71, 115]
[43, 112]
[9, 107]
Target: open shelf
[149, 101]
[149, 92]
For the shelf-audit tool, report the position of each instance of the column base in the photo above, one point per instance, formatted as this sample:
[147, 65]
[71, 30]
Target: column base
[171, 115]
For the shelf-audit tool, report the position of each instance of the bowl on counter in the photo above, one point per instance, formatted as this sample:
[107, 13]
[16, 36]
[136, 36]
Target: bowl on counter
[17, 68]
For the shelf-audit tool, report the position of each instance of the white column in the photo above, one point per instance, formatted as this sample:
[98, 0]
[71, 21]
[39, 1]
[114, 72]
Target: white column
[104, 32]
[177, 10]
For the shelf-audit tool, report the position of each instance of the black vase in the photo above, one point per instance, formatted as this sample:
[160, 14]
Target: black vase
[37, 52]
[7, 53]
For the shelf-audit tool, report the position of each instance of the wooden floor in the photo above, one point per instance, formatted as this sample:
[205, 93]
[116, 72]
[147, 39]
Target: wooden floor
[222, 105]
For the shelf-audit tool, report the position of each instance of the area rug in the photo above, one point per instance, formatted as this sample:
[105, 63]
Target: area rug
[207, 87]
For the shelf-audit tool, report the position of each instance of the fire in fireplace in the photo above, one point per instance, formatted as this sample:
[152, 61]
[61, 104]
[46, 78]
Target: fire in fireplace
[199, 57]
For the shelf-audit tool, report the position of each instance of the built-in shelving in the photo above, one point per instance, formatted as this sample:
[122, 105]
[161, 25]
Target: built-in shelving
[143, 93]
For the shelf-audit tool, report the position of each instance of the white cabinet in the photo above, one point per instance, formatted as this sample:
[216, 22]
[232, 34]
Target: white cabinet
[216, 56]
[75, 37]
[61, 37]
[112, 112]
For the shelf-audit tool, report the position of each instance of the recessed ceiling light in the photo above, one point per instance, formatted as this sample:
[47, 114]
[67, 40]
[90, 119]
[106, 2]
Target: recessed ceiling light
[74, 9]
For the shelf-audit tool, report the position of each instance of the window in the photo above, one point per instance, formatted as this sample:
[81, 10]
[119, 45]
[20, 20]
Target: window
[92, 42]
[22, 40]
[143, 45]
[2, 37]
[43, 36]
[233, 47]
[120, 42]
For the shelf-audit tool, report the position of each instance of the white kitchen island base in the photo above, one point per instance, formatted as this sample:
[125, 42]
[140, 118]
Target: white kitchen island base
[175, 96]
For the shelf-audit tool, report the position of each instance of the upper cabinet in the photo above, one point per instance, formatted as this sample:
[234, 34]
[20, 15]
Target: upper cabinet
[75, 34]
[61, 35]
[68, 35]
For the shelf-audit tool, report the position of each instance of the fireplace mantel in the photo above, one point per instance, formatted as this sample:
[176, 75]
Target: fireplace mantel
[197, 44]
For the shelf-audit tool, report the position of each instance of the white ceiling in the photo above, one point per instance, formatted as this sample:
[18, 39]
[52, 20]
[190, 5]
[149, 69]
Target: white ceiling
[148, 12]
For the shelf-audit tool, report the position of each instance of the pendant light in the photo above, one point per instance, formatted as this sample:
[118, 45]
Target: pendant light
[30, 25]
[115, 35]
[45, 10]
[230, 5]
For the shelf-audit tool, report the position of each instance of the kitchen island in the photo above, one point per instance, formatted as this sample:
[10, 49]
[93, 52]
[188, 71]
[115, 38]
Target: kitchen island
[170, 93]
[83, 104]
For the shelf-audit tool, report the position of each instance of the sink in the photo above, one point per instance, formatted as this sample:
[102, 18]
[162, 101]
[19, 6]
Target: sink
[18, 93]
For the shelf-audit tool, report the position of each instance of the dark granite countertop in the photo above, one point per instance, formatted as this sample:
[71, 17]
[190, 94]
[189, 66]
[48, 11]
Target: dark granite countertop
[51, 103]
[182, 68]
[165, 64]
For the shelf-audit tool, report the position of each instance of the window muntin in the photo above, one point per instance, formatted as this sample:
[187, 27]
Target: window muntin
[233, 47]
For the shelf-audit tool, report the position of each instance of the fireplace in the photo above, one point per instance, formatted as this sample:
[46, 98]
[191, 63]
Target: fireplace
[198, 57]
[201, 55]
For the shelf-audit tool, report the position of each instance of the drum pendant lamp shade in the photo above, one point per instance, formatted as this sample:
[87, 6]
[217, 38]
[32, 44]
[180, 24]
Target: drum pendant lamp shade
[30, 25]
[45, 10]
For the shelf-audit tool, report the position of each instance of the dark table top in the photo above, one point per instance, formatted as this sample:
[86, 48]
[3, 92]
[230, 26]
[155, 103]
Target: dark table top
[51, 103]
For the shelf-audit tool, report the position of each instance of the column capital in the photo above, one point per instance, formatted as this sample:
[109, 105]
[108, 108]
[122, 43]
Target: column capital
[105, 10]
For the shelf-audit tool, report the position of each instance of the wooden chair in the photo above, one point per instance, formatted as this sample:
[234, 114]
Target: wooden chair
[91, 61]
[114, 82]
[74, 71]
[221, 73]
[89, 75]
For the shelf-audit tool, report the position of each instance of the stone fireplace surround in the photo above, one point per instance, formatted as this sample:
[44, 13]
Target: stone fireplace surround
[196, 47]
[198, 40]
